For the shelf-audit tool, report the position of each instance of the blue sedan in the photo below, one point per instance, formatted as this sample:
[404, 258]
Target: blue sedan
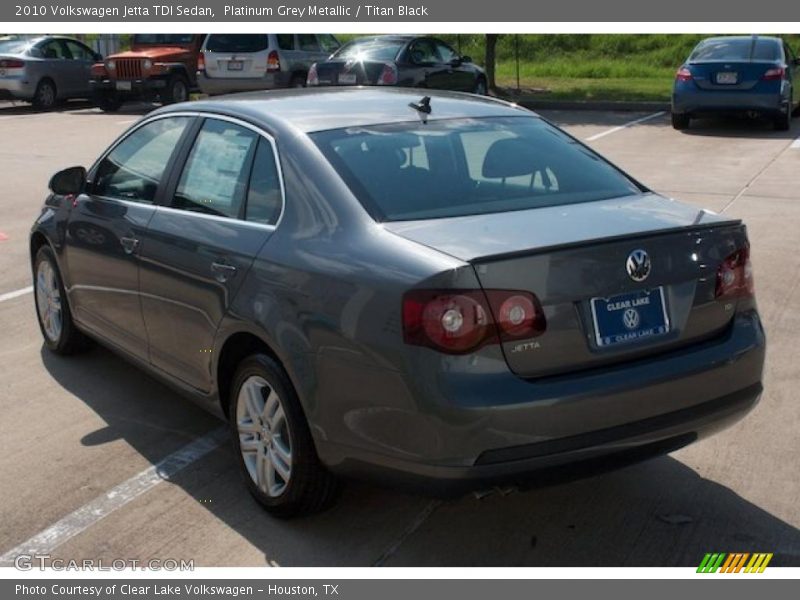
[750, 75]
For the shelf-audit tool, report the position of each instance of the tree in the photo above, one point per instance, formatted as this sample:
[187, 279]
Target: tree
[491, 51]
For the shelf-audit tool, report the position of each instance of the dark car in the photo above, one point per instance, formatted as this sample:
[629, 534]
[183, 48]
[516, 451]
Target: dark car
[397, 60]
[750, 75]
[45, 70]
[447, 290]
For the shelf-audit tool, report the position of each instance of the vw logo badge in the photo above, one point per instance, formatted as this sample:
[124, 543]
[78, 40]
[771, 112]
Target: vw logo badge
[631, 318]
[638, 265]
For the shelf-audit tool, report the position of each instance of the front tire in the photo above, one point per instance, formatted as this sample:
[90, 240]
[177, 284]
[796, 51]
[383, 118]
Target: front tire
[177, 90]
[680, 121]
[273, 443]
[46, 95]
[298, 81]
[107, 101]
[52, 307]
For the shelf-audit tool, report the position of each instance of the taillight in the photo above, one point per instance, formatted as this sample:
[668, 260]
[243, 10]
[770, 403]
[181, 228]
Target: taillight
[388, 75]
[313, 78]
[11, 63]
[461, 321]
[273, 61]
[735, 275]
[683, 74]
[201, 62]
[774, 74]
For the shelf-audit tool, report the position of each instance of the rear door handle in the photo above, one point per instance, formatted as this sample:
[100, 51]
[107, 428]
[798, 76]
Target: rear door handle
[222, 271]
[129, 244]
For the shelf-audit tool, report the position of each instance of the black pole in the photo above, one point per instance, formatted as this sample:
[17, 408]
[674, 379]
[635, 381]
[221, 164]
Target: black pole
[516, 56]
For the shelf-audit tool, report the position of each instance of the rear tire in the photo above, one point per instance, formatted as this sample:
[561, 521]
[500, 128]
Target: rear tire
[480, 87]
[298, 81]
[177, 90]
[783, 122]
[273, 443]
[107, 101]
[52, 306]
[681, 121]
[46, 95]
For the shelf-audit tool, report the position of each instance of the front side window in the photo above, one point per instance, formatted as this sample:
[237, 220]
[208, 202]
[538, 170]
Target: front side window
[446, 53]
[215, 178]
[423, 52]
[134, 168]
[79, 51]
[457, 167]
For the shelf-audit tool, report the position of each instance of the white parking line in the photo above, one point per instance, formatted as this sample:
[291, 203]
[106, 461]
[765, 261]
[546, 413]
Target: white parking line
[89, 514]
[16, 293]
[597, 136]
[796, 144]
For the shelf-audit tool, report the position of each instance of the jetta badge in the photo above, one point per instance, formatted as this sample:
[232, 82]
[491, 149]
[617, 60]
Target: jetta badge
[638, 265]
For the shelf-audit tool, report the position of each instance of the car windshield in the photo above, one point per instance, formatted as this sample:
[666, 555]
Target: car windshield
[370, 50]
[237, 43]
[163, 39]
[456, 167]
[735, 49]
[14, 46]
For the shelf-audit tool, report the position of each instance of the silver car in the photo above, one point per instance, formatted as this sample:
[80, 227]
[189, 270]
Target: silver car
[45, 70]
[231, 62]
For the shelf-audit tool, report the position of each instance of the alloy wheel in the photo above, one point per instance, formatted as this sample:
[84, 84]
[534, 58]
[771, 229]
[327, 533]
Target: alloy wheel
[48, 301]
[264, 439]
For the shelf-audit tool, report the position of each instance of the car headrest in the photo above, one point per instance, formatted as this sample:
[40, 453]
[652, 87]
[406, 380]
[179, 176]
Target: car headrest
[509, 157]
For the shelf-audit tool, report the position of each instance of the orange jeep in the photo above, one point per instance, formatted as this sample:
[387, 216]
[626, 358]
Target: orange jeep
[158, 66]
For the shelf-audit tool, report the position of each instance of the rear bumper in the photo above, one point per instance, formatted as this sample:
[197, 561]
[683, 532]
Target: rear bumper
[587, 422]
[16, 87]
[226, 85]
[709, 101]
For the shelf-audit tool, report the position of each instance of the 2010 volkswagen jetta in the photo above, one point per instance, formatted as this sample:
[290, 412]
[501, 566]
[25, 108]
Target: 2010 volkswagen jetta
[444, 289]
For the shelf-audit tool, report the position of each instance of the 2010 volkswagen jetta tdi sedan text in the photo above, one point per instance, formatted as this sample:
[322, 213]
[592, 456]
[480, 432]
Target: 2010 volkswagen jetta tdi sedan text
[447, 290]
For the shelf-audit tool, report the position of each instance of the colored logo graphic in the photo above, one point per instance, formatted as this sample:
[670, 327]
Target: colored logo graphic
[735, 562]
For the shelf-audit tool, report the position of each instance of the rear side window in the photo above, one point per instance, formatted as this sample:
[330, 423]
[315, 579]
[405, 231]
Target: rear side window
[370, 49]
[264, 193]
[735, 49]
[237, 42]
[285, 41]
[307, 42]
[328, 42]
[456, 167]
[215, 177]
[134, 168]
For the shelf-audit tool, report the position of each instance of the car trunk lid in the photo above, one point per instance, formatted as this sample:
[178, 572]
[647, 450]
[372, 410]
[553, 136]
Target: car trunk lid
[731, 76]
[349, 72]
[574, 259]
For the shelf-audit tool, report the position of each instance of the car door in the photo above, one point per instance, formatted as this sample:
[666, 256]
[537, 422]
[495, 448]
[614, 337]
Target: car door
[80, 61]
[422, 54]
[53, 55]
[223, 206]
[105, 228]
[462, 76]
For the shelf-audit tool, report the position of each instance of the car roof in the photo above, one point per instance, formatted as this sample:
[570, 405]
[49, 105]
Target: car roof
[309, 110]
[741, 37]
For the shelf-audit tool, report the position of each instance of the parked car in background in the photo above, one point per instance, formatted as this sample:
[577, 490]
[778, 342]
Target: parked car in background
[444, 289]
[158, 66]
[45, 70]
[236, 62]
[748, 75]
[400, 60]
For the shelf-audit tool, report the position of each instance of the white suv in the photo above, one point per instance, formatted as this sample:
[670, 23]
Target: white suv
[235, 62]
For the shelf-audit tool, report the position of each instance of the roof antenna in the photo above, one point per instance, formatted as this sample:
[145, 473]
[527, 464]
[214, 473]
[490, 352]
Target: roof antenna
[423, 106]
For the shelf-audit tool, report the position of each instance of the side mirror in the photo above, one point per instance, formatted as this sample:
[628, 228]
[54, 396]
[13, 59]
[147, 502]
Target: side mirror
[456, 62]
[68, 181]
[466, 59]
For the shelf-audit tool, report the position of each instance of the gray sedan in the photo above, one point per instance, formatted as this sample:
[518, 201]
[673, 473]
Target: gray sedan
[444, 290]
[45, 70]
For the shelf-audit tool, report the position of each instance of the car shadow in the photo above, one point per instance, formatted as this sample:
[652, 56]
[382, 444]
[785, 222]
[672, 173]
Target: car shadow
[657, 513]
[75, 107]
[740, 127]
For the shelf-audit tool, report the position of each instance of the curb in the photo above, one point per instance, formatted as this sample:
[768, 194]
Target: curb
[609, 105]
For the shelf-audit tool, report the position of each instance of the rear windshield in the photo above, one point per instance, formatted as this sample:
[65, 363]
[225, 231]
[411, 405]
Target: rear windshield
[370, 50]
[455, 167]
[237, 42]
[14, 46]
[163, 39]
[733, 49]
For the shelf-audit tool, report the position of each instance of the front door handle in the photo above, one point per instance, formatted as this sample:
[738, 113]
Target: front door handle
[129, 244]
[222, 271]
